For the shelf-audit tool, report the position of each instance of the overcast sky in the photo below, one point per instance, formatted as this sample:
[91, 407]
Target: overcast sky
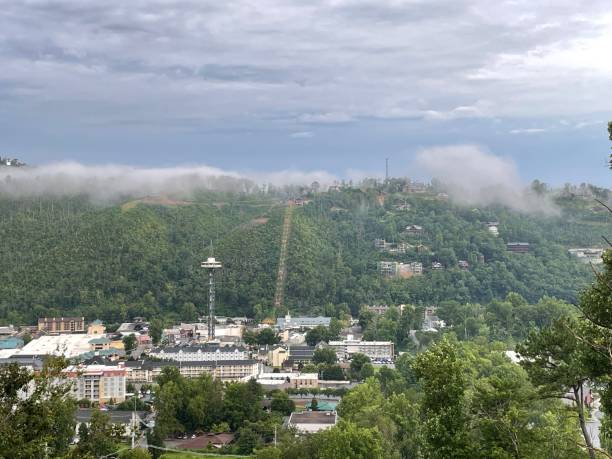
[337, 85]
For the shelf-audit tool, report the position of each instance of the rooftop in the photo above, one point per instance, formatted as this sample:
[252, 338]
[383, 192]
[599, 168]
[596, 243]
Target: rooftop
[313, 417]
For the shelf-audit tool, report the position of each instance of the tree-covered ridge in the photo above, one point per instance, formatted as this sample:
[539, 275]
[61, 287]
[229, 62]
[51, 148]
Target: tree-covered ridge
[71, 255]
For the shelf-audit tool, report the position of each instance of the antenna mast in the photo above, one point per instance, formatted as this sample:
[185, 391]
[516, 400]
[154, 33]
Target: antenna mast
[386, 170]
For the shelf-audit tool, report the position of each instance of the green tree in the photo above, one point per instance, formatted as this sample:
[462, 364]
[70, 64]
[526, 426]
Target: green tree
[357, 363]
[129, 343]
[281, 403]
[348, 441]
[440, 372]
[324, 355]
[156, 327]
[137, 453]
[559, 363]
[41, 423]
[247, 440]
[189, 312]
[101, 436]
[332, 373]
[267, 336]
[317, 335]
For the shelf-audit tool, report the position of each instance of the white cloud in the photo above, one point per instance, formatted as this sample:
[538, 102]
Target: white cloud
[477, 177]
[114, 181]
[325, 118]
[302, 135]
[528, 131]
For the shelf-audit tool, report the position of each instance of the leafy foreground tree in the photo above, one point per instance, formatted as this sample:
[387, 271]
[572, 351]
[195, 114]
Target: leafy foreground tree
[36, 414]
[468, 400]
[346, 440]
[562, 365]
[100, 438]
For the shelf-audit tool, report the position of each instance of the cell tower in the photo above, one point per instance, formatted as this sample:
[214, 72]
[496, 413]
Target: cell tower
[386, 170]
[210, 265]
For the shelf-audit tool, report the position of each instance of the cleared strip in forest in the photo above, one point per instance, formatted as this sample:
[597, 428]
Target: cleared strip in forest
[282, 261]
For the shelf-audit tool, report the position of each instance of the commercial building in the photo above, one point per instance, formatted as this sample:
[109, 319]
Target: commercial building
[199, 353]
[57, 325]
[71, 345]
[226, 370]
[375, 350]
[97, 383]
[289, 322]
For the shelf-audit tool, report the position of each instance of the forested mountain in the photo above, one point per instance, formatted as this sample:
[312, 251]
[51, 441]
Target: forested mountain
[141, 258]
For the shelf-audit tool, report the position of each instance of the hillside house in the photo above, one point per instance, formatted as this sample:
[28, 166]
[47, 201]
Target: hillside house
[518, 247]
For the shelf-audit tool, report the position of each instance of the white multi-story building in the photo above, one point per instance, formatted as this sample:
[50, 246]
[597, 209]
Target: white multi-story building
[225, 370]
[295, 323]
[375, 350]
[97, 383]
[199, 353]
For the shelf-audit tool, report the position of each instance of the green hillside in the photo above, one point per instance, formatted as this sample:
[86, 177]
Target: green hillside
[141, 257]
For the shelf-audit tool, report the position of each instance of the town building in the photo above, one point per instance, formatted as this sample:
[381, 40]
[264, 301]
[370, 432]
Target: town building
[7, 330]
[226, 370]
[11, 342]
[375, 350]
[277, 356]
[96, 328]
[308, 422]
[100, 344]
[199, 353]
[128, 421]
[272, 381]
[299, 356]
[67, 345]
[397, 269]
[415, 187]
[431, 322]
[97, 383]
[588, 255]
[298, 323]
[57, 325]
[493, 228]
[204, 441]
[414, 229]
[392, 247]
[382, 309]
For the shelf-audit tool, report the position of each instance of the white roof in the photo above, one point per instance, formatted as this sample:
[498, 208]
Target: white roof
[6, 353]
[284, 376]
[66, 345]
[361, 343]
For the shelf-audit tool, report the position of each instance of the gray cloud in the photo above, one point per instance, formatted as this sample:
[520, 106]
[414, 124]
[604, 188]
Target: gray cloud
[476, 177]
[316, 62]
